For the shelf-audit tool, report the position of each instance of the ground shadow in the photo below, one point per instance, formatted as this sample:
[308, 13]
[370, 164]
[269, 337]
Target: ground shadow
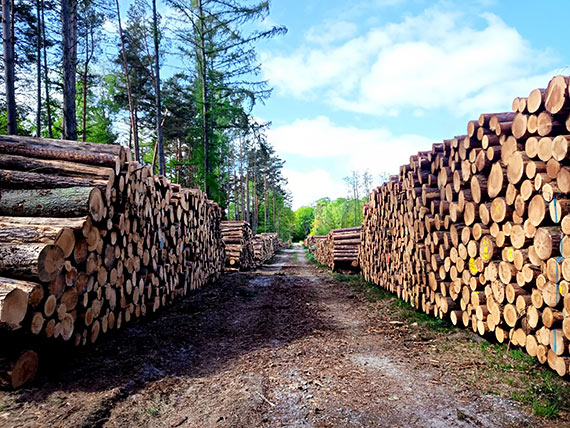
[194, 337]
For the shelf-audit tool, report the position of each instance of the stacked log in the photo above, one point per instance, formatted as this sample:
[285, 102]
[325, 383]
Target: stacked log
[238, 240]
[340, 250]
[90, 241]
[311, 242]
[264, 247]
[477, 229]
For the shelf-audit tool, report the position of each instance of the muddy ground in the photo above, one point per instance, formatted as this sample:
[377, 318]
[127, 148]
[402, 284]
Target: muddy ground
[289, 345]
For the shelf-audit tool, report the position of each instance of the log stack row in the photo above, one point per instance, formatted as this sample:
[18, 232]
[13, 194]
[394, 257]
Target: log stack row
[477, 229]
[264, 247]
[238, 241]
[340, 250]
[90, 241]
[311, 242]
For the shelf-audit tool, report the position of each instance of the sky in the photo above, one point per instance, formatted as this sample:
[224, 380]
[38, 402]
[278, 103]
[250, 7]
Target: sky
[363, 85]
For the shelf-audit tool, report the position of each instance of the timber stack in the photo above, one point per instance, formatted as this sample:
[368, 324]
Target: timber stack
[238, 241]
[91, 241]
[340, 250]
[311, 242]
[477, 229]
[264, 247]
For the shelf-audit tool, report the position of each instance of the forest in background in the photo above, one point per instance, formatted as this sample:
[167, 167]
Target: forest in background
[177, 88]
[326, 214]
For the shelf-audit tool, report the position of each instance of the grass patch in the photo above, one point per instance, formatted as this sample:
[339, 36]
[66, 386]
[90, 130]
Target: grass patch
[153, 411]
[295, 257]
[314, 261]
[525, 380]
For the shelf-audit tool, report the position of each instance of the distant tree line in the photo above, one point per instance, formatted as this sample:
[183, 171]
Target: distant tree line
[327, 214]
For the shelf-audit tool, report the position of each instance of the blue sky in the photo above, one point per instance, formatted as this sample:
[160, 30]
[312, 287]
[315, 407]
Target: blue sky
[365, 84]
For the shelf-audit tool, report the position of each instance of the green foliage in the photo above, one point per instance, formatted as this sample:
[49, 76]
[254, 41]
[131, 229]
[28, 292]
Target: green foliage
[336, 214]
[303, 223]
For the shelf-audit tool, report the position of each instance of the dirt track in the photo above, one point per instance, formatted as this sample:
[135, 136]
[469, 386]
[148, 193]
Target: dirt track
[286, 346]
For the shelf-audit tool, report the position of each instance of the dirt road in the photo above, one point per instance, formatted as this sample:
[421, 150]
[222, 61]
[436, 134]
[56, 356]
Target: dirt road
[286, 346]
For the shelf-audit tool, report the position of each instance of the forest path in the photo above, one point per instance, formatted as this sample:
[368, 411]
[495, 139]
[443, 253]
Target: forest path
[288, 345]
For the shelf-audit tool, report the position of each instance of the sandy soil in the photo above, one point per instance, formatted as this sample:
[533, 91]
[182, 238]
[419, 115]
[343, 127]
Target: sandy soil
[285, 346]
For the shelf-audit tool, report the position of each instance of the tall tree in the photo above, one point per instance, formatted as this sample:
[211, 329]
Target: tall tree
[9, 65]
[225, 66]
[69, 47]
[132, 113]
[159, 142]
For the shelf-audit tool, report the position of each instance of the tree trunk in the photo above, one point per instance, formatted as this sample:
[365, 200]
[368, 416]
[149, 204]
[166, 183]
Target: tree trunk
[204, 90]
[255, 219]
[46, 73]
[132, 113]
[273, 216]
[88, 54]
[38, 71]
[236, 198]
[264, 202]
[158, 101]
[69, 46]
[9, 66]
[247, 216]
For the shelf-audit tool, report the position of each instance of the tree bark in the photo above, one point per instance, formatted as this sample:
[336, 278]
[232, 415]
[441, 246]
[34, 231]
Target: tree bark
[60, 202]
[38, 70]
[69, 46]
[9, 66]
[204, 91]
[46, 73]
[158, 101]
[132, 113]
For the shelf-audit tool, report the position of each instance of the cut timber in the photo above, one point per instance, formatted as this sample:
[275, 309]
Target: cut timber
[27, 180]
[14, 300]
[87, 153]
[496, 181]
[44, 166]
[19, 371]
[556, 94]
[31, 261]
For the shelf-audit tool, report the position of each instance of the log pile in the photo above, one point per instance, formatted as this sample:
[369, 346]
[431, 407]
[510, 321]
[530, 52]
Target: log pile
[90, 241]
[264, 247]
[477, 229]
[340, 249]
[311, 242]
[238, 241]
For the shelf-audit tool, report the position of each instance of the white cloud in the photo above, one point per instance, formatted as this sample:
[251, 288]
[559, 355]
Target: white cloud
[110, 27]
[331, 32]
[308, 187]
[433, 60]
[354, 149]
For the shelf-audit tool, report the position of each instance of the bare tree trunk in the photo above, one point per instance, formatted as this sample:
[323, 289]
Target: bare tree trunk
[38, 71]
[132, 112]
[247, 213]
[178, 159]
[241, 189]
[46, 73]
[69, 41]
[236, 199]
[9, 66]
[161, 158]
[203, 79]
[88, 55]
[273, 217]
[255, 219]
[264, 202]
